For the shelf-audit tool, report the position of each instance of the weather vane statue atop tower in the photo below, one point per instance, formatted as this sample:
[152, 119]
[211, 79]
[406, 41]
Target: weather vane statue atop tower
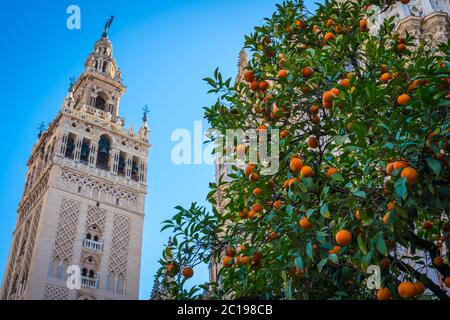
[107, 26]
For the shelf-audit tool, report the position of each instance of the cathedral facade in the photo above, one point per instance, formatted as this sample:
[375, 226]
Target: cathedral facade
[83, 200]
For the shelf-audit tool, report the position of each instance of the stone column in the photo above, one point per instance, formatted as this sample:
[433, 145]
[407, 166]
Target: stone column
[142, 171]
[78, 146]
[115, 161]
[93, 153]
[61, 143]
[128, 166]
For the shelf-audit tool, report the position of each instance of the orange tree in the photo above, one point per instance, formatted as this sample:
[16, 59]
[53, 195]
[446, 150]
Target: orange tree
[363, 177]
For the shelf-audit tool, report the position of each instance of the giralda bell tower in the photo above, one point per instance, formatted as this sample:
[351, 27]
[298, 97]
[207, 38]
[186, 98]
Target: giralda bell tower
[83, 200]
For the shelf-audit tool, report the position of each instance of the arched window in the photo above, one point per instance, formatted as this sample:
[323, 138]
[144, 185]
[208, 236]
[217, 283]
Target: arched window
[91, 274]
[84, 157]
[122, 164]
[70, 146]
[135, 169]
[100, 103]
[96, 238]
[84, 272]
[104, 148]
[88, 236]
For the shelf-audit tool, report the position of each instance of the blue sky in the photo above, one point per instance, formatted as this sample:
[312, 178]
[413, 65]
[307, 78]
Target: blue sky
[164, 47]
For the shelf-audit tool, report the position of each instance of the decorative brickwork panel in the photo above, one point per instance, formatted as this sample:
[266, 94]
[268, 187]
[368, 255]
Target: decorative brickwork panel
[96, 216]
[120, 243]
[67, 228]
[56, 293]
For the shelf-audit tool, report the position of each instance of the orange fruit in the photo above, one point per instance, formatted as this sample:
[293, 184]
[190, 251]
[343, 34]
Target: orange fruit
[249, 170]
[242, 247]
[403, 99]
[188, 272]
[254, 177]
[257, 192]
[243, 260]
[331, 172]
[254, 85]
[305, 224]
[257, 257]
[278, 204]
[385, 77]
[406, 289]
[328, 36]
[386, 218]
[249, 76]
[264, 85]
[420, 287]
[335, 250]
[363, 24]
[307, 172]
[313, 142]
[296, 165]
[335, 91]
[329, 23]
[345, 83]
[299, 273]
[427, 225]
[243, 214]
[227, 262]
[384, 294]
[257, 208]
[284, 134]
[314, 109]
[328, 97]
[410, 174]
[400, 164]
[292, 181]
[391, 205]
[447, 282]
[390, 168]
[384, 68]
[438, 261]
[300, 24]
[283, 74]
[358, 215]
[307, 72]
[404, 1]
[401, 47]
[344, 238]
[230, 252]
[315, 119]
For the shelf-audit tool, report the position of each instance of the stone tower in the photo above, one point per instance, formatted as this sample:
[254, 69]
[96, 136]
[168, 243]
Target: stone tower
[83, 200]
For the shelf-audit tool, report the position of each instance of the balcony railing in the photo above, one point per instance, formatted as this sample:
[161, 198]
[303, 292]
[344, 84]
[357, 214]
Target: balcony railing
[93, 245]
[87, 282]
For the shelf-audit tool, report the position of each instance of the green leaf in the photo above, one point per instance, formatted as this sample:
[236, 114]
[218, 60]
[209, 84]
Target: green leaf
[309, 250]
[298, 262]
[400, 188]
[361, 245]
[381, 244]
[359, 194]
[322, 263]
[333, 257]
[435, 165]
[325, 212]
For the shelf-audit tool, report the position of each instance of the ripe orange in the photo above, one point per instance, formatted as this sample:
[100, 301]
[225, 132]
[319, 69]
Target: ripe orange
[254, 85]
[249, 170]
[328, 97]
[384, 294]
[386, 218]
[329, 23]
[230, 252]
[300, 24]
[305, 224]
[403, 99]
[344, 238]
[328, 36]
[410, 174]
[358, 215]
[315, 119]
[264, 85]
[296, 165]
[307, 172]
[257, 257]
[307, 72]
[283, 74]
[335, 91]
[427, 225]
[438, 261]
[404, 1]
[242, 247]
[314, 109]
[292, 181]
[447, 282]
[284, 133]
[254, 177]
[406, 289]
[243, 260]
[299, 273]
[385, 77]
[243, 214]
[227, 262]
[257, 192]
[331, 172]
[401, 47]
[420, 287]
[363, 24]
[390, 168]
[313, 142]
[249, 76]
[278, 204]
[335, 250]
[400, 164]
[188, 272]
[391, 205]
[257, 208]
[345, 83]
